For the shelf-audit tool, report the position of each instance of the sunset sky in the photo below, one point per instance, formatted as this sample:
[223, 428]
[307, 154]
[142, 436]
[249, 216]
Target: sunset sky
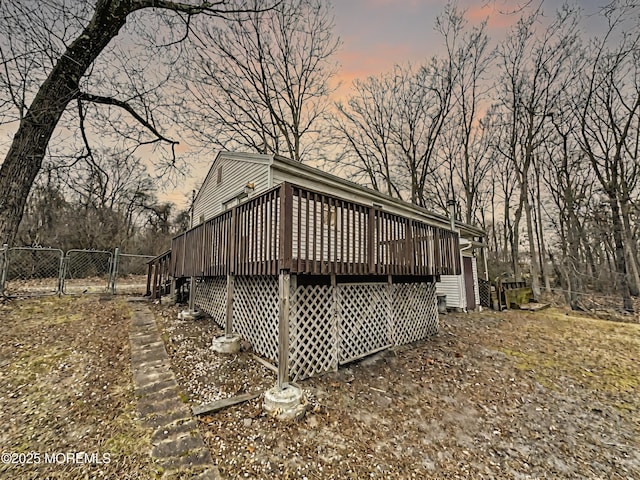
[377, 34]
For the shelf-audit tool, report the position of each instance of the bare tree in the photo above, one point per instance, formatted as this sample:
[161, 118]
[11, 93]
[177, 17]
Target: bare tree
[48, 51]
[465, 148]
[535, 70]
[261, 80]
[364, 127]
[391, 127]
[569, 183]
[609, 113]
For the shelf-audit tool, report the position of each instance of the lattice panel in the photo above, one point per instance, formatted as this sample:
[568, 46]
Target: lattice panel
[415, 312]
[211, 297]
[484, 287]
[363, 320]
[255, 313]
[313, 332]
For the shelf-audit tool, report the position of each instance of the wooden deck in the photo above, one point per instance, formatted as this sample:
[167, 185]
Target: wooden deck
[307, 232]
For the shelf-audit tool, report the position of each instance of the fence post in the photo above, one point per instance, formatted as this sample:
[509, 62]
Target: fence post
[114, 270]
[61, 273]
[4, 263]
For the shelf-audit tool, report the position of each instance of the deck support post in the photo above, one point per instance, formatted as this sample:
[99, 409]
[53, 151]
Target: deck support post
[335, 320]
[284, 286]
[228, 343]
[228, 324]
[191, 313]
[192, 293]
[172, 297]
[284, 401]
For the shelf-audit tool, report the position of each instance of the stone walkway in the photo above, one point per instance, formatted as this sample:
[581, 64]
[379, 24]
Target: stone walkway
[177, 444]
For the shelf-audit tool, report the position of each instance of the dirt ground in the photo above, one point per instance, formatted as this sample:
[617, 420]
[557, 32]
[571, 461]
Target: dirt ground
[513, 395]
[66, 389]
[494, 395]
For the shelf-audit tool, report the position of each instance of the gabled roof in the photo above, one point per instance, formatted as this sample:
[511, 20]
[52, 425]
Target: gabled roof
[298, 168]
[322, 177]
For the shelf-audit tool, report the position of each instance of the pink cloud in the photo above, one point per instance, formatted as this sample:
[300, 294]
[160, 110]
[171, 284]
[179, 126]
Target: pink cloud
[495, 19]
[380, 58]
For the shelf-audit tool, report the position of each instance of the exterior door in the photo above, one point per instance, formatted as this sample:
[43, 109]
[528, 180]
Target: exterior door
[468, 282]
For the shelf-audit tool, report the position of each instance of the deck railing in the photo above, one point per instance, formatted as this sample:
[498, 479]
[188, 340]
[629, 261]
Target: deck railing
[308, 232]
[158, 274]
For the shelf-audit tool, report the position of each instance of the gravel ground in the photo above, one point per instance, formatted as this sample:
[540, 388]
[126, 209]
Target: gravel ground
[493, 395]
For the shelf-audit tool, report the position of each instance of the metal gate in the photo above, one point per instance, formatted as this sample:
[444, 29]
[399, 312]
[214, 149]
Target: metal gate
[87, 271]
[27, 271]
[130, 273]
[32, 271]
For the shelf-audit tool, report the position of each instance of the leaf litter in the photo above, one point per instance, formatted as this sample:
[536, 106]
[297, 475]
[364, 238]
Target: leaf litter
[494, 395]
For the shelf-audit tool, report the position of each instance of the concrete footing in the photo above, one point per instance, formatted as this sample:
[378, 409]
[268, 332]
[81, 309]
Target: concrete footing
[284, 404]
[190, 314]
[226, 344]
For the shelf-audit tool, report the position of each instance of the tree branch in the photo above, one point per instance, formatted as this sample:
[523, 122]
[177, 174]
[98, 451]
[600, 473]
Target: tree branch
[88, 97]
[208, 8]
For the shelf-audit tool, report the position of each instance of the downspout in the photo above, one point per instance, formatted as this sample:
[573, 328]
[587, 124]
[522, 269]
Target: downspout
[451, 204]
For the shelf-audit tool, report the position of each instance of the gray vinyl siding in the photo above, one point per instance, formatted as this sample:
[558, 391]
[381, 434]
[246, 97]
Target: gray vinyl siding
[453, 287]
[335, 188]
[236, 173]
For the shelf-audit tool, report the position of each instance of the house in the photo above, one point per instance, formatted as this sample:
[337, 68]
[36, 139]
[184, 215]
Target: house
[462, 291]
[313, 270]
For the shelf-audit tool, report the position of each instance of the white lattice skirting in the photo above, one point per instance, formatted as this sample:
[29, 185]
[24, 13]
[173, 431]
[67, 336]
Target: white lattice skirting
[211, 297]
[255, 314]
[328, 326]
[255, 309]
[331, 326]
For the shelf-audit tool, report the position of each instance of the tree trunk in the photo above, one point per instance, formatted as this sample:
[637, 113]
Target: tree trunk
[620, 254]
[27, 151]
[634, 287]
[540, 233]
[535, 271]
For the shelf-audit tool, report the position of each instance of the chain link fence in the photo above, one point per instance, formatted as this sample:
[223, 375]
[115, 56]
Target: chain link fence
[87, 271]
[31, 271]
[131, 273]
